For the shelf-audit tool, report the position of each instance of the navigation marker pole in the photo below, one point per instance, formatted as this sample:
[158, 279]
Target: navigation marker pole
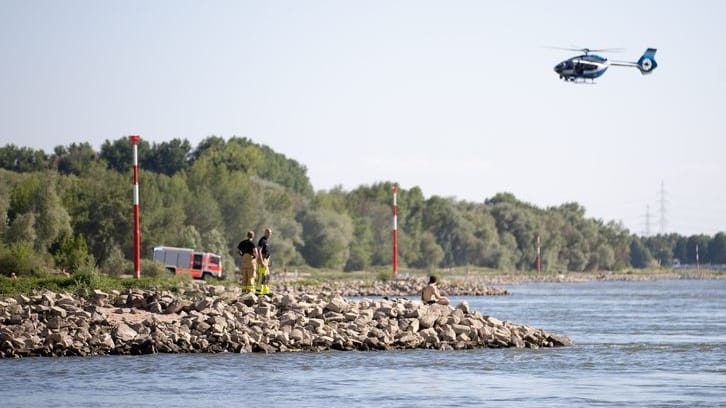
[395, 231]
[539, 262]
[698, 266]
[137, 235]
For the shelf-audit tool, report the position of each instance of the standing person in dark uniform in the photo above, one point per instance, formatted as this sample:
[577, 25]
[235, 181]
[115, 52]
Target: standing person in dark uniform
[250, 254]
[263, 275]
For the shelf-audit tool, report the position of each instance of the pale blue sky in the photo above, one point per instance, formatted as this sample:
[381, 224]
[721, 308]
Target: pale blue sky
[457, 97]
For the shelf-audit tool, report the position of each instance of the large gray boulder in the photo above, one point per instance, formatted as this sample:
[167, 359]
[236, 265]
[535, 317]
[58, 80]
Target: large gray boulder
[124, 333]
[337, 304]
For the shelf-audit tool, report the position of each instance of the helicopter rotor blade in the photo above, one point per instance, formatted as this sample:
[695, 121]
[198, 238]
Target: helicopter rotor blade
[587, 50]
[562, 48]
[606, 50]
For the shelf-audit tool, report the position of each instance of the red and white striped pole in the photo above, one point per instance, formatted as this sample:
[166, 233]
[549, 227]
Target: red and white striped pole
[698, 266]
[395, 232]
[539, 259]
[137, 235]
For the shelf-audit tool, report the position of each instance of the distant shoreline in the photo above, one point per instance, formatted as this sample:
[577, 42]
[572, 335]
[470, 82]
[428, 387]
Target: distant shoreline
[462, 284]
[479, 280]
[575, 277]
[453, 282]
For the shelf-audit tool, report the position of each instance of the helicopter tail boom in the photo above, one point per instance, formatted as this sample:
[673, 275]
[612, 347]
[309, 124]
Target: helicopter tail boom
[646, 64]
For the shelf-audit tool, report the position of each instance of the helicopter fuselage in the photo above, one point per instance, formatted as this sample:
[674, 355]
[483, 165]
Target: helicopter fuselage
[591, 66]
[586, 66]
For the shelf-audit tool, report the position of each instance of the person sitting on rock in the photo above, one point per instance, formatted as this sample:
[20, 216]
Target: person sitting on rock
[430, 294]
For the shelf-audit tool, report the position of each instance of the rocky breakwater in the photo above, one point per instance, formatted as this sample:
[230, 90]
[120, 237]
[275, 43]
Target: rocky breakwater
[217, 319]
[410, 287]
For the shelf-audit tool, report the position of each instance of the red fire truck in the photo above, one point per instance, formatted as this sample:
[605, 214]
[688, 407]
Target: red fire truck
[200, 265]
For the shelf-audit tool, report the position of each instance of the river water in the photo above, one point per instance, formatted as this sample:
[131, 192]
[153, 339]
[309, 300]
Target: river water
[641, 344]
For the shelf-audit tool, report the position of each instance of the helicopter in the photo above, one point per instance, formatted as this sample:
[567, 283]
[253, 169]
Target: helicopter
[591, 66]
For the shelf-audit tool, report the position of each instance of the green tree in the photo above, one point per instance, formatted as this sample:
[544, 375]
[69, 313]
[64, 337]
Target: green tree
[233, 194]
[100, 209]
[241, 154]
[119, 154]
[698, 244]
[576, 259]
[72, 253]
[214, 241]
[640, 256]
[327, 238]
[116, 264]
[211, 143]
[603, 258]
[35, 212]
[506, 257]
[168, 158]
[19, 258]
[4, 206]
[553, 242]
[162, 209]
[22, 229]
[23, 196]
[22, 159]
[188, 237]
[360, 247]
[202, 210]
[717, 249]
[618, 237]
[74, 159]
[661, 246]
[680, 250]
[286, 241]
[430, 252]
[52, 221]
[411, 209]
[520, 220]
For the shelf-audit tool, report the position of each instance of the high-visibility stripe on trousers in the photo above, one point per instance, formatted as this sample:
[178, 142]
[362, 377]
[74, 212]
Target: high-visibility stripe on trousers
[263, 278]
[249, 272]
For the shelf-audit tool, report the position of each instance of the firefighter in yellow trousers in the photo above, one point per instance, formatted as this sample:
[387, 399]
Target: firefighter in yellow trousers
[250, 254]
[262, 286]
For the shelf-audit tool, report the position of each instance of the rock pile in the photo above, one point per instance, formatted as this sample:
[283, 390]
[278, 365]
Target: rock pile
[218, 319]
[410, 287]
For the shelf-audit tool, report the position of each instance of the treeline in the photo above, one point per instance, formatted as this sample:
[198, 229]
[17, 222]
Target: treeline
[71, 209]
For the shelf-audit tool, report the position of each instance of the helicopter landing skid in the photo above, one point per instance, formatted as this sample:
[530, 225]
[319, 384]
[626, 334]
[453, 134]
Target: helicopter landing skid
[582, 81]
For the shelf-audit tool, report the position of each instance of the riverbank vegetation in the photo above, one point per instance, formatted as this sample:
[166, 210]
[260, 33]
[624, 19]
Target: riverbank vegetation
[70, 211]
[453, 281]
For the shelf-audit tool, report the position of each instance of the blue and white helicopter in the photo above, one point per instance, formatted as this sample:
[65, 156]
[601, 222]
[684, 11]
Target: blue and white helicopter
[591, 66]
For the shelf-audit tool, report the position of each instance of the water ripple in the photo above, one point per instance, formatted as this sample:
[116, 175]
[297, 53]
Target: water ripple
[650, 344]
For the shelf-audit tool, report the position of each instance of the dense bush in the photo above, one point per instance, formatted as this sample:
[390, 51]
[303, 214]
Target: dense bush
[151, 269]
[20, 259]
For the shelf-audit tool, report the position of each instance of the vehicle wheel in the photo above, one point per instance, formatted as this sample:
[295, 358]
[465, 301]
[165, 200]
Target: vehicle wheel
[206, 275]
[171, 271]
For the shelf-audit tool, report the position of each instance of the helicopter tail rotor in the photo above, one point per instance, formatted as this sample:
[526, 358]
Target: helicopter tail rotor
[646, 63]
